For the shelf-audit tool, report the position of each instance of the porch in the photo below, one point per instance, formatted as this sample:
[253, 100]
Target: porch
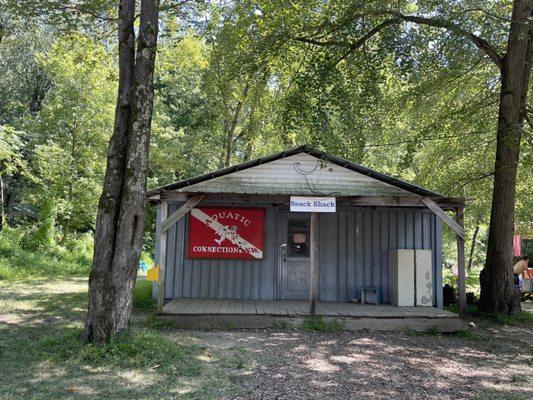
[216, 313]
[297, 308]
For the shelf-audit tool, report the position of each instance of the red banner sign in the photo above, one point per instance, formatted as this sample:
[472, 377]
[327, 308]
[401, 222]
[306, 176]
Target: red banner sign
[228, 233]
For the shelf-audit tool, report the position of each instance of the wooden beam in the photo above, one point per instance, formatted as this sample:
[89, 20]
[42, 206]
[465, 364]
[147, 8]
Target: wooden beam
[342, 201]
[162, 259]
[180, 212]
[439, 212]
[459, 217]
[313, 265]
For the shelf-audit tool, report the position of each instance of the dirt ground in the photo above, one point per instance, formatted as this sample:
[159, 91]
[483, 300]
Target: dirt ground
[492, 361]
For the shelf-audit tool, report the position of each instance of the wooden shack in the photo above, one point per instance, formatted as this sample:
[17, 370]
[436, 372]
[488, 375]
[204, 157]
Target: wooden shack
[299, 232]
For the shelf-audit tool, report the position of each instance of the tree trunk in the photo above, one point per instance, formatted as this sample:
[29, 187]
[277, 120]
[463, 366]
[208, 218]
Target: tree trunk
[2, 210]
[133, 203]
[100, 315]
[233, 124]
[472, 248]
[498, 294]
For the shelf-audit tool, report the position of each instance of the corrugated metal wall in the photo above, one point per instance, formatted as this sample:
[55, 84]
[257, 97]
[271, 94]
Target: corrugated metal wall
[354, 246]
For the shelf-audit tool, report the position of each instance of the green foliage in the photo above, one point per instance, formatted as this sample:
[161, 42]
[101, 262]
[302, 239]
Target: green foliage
[142, 295]
[316, 323]
[17, 260]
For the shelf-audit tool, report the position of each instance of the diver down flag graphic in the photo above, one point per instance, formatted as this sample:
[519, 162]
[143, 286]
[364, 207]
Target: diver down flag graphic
[226, 233]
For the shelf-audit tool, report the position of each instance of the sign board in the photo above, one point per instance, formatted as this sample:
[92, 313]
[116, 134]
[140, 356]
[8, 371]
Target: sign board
[313, 204]
[226, 233]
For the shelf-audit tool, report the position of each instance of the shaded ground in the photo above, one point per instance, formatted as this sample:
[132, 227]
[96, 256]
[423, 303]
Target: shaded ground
[495, 362]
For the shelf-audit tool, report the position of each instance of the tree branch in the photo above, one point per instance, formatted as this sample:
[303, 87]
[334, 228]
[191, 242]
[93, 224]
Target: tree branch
[479, 42]
[397, 17]
[351, 46]
[363, 39]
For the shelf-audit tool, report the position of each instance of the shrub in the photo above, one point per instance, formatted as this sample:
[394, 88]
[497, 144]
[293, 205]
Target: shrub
[18, 261]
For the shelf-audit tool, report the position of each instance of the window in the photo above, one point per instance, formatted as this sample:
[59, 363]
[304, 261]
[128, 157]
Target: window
[298, 240]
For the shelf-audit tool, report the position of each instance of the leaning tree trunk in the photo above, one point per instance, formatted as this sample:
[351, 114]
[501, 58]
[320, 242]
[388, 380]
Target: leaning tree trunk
[133, 203]
[498, 294]
[100, 316]
[120, 220]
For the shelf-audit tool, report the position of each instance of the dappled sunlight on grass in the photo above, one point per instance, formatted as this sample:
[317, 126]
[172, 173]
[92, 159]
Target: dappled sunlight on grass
[42, 354]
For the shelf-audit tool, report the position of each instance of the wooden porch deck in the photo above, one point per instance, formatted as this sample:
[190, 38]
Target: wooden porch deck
[297, 308]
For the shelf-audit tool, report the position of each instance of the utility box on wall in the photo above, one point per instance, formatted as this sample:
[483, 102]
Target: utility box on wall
[410, 277]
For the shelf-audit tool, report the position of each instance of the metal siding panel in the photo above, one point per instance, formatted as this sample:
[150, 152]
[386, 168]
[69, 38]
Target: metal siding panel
[418, 240]
[169, 261]
[367, 247]
[222, 278]
[230, 279]
[401, 229]
[376, 227]
[269, 264]
[247, 282]
[187, 277]
[438, 261]
[170, 267]
[255, 279]
[384, 255]
[342, 234]
[328, 248]
[409, 230]
[157, 242]
[204, 278]
[359, 252]
[393, 230]
[426, 231]
[213, 281]
[350, 255]
[196, 276]
[239, 265]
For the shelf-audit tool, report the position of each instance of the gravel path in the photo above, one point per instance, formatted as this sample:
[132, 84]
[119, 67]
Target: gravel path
[380, 365]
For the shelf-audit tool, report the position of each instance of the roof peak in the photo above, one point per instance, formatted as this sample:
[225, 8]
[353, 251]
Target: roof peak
[304, 148]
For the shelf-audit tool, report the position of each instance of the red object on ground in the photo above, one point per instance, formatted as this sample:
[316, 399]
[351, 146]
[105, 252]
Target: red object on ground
[517, 246]
[226, 233]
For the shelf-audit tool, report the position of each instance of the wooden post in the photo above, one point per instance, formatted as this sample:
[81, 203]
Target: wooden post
[459, 218]
[162, 257]
[313, 265]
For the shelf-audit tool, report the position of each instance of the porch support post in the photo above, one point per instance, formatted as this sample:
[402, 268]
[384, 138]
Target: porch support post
[459, 218]
[314, 268]
[162, 259]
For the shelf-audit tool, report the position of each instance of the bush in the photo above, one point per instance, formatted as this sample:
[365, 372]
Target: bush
[17, 260]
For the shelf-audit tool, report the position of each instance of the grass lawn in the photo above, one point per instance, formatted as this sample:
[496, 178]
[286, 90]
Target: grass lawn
[42, 356]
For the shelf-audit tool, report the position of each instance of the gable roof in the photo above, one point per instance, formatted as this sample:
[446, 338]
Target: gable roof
[346, 178]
